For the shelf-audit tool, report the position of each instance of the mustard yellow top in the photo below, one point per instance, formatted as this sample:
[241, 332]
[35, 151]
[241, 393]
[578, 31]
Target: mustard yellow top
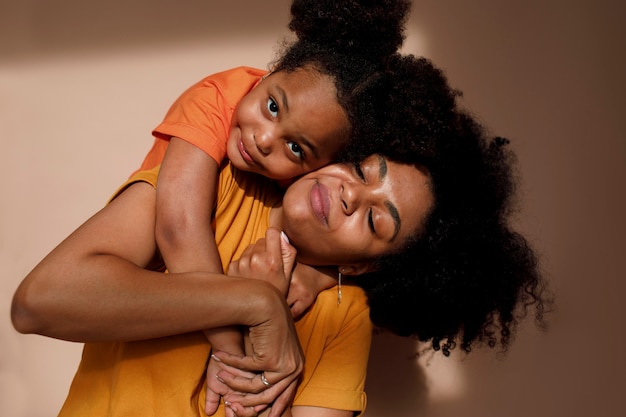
[165, 376]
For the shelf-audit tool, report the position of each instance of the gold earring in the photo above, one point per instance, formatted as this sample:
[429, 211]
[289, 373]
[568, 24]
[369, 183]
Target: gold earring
[339, 288]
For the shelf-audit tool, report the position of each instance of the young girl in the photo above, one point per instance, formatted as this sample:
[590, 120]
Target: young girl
[282, 124]
[319, 95]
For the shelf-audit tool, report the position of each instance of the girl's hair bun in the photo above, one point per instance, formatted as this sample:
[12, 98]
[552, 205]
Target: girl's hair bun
[373, 28]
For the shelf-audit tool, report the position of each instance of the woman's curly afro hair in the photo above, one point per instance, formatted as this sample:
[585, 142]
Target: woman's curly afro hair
[467, 277]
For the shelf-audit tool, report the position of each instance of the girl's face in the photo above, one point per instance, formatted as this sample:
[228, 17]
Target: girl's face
[288, 125]
[350, 214]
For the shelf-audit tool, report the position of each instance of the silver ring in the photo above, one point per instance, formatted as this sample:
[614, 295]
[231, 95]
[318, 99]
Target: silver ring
[264, 380]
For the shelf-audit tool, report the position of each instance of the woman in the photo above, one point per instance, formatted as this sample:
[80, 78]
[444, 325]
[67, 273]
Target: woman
[104, 293]
[95, 286]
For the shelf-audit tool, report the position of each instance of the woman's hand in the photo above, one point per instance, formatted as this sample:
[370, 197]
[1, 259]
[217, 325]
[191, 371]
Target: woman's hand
[256, 392]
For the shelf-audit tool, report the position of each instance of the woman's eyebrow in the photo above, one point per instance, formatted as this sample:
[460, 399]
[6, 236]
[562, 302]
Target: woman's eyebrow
[393, 211]
[396, 219]
[382, 167]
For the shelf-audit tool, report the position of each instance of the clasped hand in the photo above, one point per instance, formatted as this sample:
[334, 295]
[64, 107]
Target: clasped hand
[272, 347]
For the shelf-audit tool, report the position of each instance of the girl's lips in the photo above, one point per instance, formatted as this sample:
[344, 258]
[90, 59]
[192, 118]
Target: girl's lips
[320, 202]
[244, 154]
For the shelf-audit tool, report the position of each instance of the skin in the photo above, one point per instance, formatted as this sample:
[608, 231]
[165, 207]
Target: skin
[288, 125]
[356, 225]
[95, 286]
[364, 204]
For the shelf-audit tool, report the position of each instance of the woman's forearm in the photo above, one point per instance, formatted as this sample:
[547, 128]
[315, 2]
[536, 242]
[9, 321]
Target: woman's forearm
[132, 303]
[95, 285]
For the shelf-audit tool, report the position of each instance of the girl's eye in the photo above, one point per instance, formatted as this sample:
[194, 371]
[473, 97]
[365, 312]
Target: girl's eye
[296, 150]
[272, 107]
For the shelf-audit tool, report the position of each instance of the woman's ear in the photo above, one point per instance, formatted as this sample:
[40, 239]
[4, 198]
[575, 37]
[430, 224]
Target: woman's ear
[356, 269]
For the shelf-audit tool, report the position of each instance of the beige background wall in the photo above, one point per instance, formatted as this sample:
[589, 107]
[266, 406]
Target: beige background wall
[82, 84]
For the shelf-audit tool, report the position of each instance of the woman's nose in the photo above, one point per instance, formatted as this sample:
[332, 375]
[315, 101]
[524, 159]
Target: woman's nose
[350, 197]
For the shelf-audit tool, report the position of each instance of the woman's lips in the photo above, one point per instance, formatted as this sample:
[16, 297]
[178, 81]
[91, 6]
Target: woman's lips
[244, 154]
[320, 202]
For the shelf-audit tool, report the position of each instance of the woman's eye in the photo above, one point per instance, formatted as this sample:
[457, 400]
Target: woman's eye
[370, 220]
[357, 169]
[272, 107]
[296, 150]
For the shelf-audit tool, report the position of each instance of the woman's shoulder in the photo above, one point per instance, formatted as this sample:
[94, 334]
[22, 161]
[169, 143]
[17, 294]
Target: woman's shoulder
[353, 303]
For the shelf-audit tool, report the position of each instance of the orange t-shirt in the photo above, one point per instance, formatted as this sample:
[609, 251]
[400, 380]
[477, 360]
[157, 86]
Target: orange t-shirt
[202, 114]
[166, 376]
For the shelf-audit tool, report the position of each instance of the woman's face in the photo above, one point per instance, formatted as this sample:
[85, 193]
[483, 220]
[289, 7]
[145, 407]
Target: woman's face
[351, 214]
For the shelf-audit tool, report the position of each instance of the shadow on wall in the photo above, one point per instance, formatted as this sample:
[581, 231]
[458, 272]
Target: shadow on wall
[41, 27]
[396, 382]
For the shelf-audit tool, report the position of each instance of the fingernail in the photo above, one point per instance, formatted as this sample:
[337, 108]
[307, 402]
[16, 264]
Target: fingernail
[215, 358]
[284, 236]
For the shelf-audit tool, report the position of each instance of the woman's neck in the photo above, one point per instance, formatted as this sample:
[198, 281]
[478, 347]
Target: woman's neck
[276, 216]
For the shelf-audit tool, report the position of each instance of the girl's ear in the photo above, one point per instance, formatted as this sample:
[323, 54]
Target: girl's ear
[356, 269]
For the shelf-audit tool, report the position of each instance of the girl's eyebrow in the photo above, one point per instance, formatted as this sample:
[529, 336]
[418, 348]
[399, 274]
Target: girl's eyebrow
[283, 97]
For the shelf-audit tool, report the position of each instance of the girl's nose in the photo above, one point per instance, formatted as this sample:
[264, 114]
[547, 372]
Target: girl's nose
[264, 140]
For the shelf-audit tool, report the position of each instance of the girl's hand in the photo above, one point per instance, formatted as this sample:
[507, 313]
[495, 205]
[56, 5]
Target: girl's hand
[270, 259]
[306, 283]
[216, 388]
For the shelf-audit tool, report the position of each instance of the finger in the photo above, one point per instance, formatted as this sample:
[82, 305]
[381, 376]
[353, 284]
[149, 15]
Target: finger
[290, 364]
[273, 242]
[296, 309]
[235, 371]
[288, 253]
[244, 384]
[242, 263]
[261, 396]
[240, 411]
[229, 412]
[212, 401]
[283, 400]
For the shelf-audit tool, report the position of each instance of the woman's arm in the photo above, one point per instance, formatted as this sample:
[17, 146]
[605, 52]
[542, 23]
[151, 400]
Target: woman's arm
[93, 286]
[317, 412]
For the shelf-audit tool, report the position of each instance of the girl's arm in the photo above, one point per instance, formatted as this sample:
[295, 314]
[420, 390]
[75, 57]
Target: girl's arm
[185, 197]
